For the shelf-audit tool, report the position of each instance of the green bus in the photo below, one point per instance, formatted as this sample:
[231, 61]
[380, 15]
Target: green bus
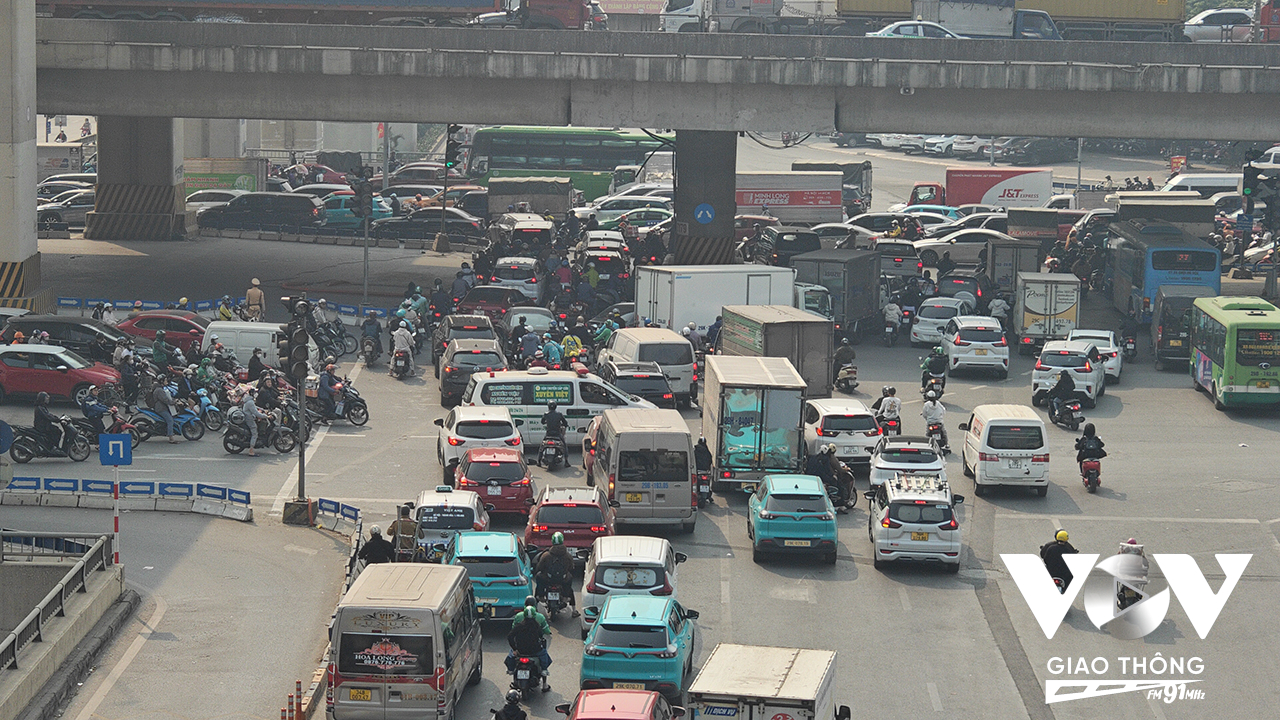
[587, 156]
[1235, 350]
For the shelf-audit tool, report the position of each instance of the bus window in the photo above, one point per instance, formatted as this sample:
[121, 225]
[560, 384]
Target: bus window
[1255, 347]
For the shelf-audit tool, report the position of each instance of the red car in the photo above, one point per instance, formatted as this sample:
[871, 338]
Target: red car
[29, 369]
[620, 705]
[176, 324]
[491, 300]
[500, 476]
[589, 446]
[581, 513]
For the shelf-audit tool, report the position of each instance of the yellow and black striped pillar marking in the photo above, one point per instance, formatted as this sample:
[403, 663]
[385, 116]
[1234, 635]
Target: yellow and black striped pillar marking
[136, 212]
[703, 250]
[11, 280]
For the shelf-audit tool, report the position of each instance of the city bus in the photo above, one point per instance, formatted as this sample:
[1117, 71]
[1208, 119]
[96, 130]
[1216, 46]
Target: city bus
[1145, 254]
[1235, 351]
[586, 156]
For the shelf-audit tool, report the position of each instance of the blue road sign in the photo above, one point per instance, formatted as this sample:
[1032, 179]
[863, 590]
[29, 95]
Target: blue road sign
[704, 213]
[1243, 220]
[6, 437]
[115, 449]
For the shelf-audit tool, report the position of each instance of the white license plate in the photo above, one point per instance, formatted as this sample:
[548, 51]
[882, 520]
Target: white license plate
[1015, 464]
[522, 674]
[495, 489]
[553, 596]
[486, 601]
[704, 488]
[850, 449]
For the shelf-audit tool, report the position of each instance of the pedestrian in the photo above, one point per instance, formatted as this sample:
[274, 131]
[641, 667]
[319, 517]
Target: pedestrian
[255, 300]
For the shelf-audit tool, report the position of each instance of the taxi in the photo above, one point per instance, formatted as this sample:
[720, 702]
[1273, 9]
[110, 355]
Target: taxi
[442, 514]
[640, 642]
[791, 514]
[499, 569]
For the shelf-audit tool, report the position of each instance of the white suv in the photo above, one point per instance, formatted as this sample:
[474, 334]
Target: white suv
[976, 341]
[519, 273]
[1078, 357]
[469, 426]
[932, 316]
[905, 454]
[847, 424]
[912, 517]
[1108, 348]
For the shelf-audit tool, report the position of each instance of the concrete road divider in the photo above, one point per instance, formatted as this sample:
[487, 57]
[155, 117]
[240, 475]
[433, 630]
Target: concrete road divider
[160, 495]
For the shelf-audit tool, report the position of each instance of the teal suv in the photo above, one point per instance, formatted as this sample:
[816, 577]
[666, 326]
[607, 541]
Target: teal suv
[499, 570]
[790, 514]
[640, 642]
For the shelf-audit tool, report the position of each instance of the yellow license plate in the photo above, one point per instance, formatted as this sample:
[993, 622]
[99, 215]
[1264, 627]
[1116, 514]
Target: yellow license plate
[1264, 383]
[628, 686]
[979, 352]
[796, 543]
[354, 694]
[919, 536]
[635, 497]
[1175, 343]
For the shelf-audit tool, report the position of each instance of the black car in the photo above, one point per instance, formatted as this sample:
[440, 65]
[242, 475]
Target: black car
[459, 327]
[85, 336]
[788, 241]
[256, 209]
[855, 202]
[977, 285]
[642, 379]
[1038, 151]
[844, 139]
[463, 357]
[460, 226]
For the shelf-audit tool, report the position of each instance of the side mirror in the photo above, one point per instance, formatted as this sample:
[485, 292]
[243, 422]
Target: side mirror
[589, 444]
[963, 426]
[614, 504]
[681, 557]
[690, 614]
[677, 711]
[529, 502]
[843, 713]
[870, 494]
[957, 499]
[439, 422]
[519, 422]
[490, 508]
[63, 368]
[563, 708]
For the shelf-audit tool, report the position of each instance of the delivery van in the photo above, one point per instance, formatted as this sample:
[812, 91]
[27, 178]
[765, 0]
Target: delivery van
[404, 644]
[672, 352]
[644, 463]
[242, 338]
[1005, 445]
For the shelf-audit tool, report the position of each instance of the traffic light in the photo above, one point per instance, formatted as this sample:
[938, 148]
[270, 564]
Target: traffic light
[363, 205]
[1249, 187]
[452, 146]
[293, 348]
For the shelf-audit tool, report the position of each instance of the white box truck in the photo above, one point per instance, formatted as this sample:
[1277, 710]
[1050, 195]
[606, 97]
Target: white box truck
[675, 295]
[753, 682]
[804, 338]
[1046, 307]
[795, 198]
[751, 418]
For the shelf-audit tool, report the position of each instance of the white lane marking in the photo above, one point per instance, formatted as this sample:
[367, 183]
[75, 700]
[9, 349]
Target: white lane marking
[344, 436]
[933, 697]
[300, 549]
[291, 480]
[1273, 522]
[1105, 518]
[978, 387]
[134, 648]
[421, 437]
[906, 600]
[726, 608]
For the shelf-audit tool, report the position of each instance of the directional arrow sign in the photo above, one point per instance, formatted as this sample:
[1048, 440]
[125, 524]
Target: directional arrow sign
[115, 449]
[704, 213]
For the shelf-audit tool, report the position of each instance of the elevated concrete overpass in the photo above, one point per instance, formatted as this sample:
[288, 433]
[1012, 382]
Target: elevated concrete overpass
[696, 81]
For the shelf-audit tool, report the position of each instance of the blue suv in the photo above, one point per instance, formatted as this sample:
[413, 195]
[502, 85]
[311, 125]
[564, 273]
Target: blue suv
[791, 514]
[499, 570]
[640, 642]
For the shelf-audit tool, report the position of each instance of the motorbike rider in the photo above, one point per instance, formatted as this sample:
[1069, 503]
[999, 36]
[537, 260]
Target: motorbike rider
[95, 410]
[998, 308]
[539, 359]
[402, 339]
[845, 355]
[459, 286]
[511, 710]
[162, 403]
[823, 464]
[702, 456]
[694, 336]
[160, 351]
[946, 264]
[529, 344]
[713, 331]
[225, 311]
[256, 366]
[251, 417]
[268, 397]
[371, 328]
[528, 638]
[551, 350]
[329, 392]
[934, 412]
[555, 571]
[376, 549]
[1089, 446]
[440, 299]
[934, 366]
[48, 425]
[554, 422]
[889, 406]
[893, 314]
[601, 338]
[1051, 553]
[1130, 326]
[1064, 389]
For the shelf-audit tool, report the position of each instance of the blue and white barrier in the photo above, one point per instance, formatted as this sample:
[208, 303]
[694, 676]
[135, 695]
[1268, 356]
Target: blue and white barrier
[162, 495]
[331, 513]
[208, 308]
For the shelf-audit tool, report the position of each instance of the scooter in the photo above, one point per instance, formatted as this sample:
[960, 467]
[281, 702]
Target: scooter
[210, 414]
[349, 405]
[937, 432]
[704, 489]
[889, 426]
[29, 444]
[1129, 347]
[1133, 575]
[236, 439]
[527, 676]
[369, 350]
[553, 597]
[890, 334]
[149, 423]
[936, 383]
[400, 364]
[847, 378]
[118, 426]
[551, 453]
[1091, 474]
[1066, 413]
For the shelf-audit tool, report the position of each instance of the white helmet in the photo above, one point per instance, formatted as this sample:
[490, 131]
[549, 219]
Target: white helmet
[693, 326]
[931, 395]
[685, 331]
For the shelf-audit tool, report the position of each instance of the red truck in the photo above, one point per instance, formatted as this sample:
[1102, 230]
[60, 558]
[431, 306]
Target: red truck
[1001, 187]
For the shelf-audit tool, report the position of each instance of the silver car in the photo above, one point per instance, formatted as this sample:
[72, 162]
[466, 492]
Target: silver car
[1220, 25]
[1108, 348]
[69, 207]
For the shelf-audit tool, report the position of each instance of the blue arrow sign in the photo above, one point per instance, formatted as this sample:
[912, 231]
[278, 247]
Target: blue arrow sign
[704, 213]
[115, 449]
[1243, 220]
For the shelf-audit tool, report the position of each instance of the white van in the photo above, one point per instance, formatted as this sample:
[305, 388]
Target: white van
[242, 338]
[579, 396]
[627, 565]
[404, 643]
[1207, 184]
[644, 463]
[1005, 445]
[672, 352]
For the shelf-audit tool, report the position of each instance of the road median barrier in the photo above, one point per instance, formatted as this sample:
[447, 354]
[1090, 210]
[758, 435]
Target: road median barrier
[157, 495]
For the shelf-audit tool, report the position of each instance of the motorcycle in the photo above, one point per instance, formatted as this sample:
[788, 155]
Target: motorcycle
[1066, 413]
[149, 423]
[1091, 474]
[236, 439]
[299, 423]
[553, 595]
[552, 453]
[342, 334]
[210, 414]
[400, 364]
[890, 333]
[847, 378]
[349, 405]
[704, 489]
[527, 676]
[936, 383]
[937, 432]
[369, 351]
[118, 426]
[29, 444]
[908, 319]
[889, 426]
[1132, 577]
[1129, 347]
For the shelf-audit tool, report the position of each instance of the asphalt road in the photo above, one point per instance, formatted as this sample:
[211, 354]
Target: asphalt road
[236, 612]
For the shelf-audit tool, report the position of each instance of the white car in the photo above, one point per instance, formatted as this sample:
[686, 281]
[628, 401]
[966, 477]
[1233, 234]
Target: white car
[976, 341]
[468, 426]
[912, 144]
[970, 145]
[964, 246]
[905, 454]
[915, 29]
[886, 140]
[847, 424]
[1220, 25]
[1108, 348]
[939, 145]
[932, 316]
[627, 565]
[202, 199]
[1078, 357]
[520, 273]
[930, 219]
[911, 517]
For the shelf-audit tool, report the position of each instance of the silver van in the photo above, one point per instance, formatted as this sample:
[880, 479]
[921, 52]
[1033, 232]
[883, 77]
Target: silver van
[672, 352]
[242, 338]
[627, 565]
[644, 463]
[404, 644]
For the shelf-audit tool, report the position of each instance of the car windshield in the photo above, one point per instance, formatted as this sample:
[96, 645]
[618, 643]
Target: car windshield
[490, 567]
[908, 456]
[445, 517]
[478, 358]
[795, 504]
[1255, 347]
[483, 429]
[930, 514]
[664, 466]
[513, 272]
[632, 636]
[471, 332]
[859, 423]
[1063, 359]
[570, 515]
[982, 335]
[642, 384]
[490, 294]
[949, 286]
[1015, 437]
[72, 360]
[676, 353]
[938, 312]
[1098, 340]
[485, 471]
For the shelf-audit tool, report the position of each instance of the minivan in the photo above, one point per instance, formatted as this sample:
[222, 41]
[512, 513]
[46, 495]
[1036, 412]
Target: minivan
[627, 565]
[644, 463]
[404, 643]
[1207, 184]
[1005, 445]
[672, 352]
[242, 338]
[1171, 322]
[250, 210]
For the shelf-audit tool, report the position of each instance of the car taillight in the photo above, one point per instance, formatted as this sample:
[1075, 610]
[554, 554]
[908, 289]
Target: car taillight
[988, 457]
[824, 433]
[1040, 458]
[592, 587]
[960, 343]
[949, 526]
[449, 368]
[539, 528]
[889, 522]
[1039, 365]
[456, 441]
[513, 442]
[477, 525]
[521, 483]
[766, 515]
[695, 377]
[1002, 343]
[315, 211]
[493, 279]
[599, 528]
[1026, 341]
[872, 432]
[1088, 366]
[726, 473]
[531, 281]
[667, 396]
[463, 482]
[1115, 353]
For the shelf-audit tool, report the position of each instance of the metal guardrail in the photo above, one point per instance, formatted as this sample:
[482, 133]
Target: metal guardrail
[50, 544]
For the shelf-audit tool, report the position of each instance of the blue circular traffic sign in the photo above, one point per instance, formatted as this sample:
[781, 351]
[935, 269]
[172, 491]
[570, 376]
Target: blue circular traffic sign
[704, 213]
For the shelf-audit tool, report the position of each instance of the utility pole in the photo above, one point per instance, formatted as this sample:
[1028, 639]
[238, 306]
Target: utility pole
[452, 154]
[386, 174]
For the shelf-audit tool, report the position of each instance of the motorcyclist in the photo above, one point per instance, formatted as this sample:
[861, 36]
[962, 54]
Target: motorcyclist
[934, 412]
[1130, 326]
[47, 424]
[256, 366]
[539, 359]
[160, 351]
[402, 339]
[460, 286]
[554, 422]
[377, 549]
[95, 410]
[329, 391]
[440, 299]
[551, 350]
[602, 335]
[889, 406]
[702, 455]
[1051, 553]
[998, 308]
[934, 366]
[823, 464]
[1064, 389]
[511, 710]
[268, 396]
[1089, 446]
[528, 638]
[845, 355]
[225, 311]
[713, 332]
[529, 344]
[252, 416]
[555, 571]
[893, 314]
[519, 331]
[371, 328]
[694, 337]
[946, 264]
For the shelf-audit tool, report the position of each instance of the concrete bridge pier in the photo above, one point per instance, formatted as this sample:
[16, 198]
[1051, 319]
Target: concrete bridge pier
[706, 169]
[141, 193]
[19, 256]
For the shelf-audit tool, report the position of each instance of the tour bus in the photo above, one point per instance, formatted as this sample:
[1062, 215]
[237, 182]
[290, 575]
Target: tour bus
[1235, 351]
[1146, 254]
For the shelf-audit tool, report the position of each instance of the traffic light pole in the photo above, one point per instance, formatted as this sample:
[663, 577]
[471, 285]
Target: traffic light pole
[302, 445]
[366, 261]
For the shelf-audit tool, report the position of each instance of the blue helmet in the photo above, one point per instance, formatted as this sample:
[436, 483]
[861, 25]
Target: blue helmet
[400, 313]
